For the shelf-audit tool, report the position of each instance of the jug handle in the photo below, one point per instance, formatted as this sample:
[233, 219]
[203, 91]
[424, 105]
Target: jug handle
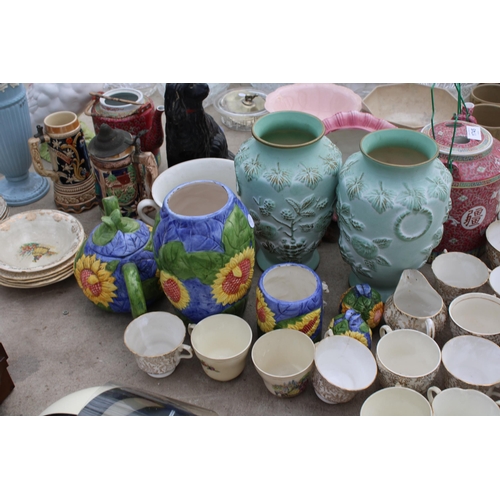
[355, 120]
[33, 143]
[148, 160]
[431, 396]
[430, 328]
[134, 289]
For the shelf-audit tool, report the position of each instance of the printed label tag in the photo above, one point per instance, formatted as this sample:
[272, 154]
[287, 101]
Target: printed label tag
[474, 133]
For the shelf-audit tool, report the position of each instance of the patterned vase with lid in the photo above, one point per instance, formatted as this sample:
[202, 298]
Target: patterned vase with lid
[286, 176]
[476, 185]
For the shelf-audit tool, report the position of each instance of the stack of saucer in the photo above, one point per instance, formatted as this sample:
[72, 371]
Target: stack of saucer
[38, 248]
[4, 209]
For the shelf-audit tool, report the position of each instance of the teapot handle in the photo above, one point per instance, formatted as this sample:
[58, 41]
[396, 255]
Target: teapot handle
[134, 289]
[355, 120]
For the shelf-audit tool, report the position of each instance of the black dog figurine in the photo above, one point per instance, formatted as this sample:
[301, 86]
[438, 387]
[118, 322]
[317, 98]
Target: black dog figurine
[190, 132]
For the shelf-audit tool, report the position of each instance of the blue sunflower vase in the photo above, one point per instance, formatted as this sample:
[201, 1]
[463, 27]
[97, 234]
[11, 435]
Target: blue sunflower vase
[115, 266]
[205, 249]
[287, 176]
[290, 296]
[351, 324]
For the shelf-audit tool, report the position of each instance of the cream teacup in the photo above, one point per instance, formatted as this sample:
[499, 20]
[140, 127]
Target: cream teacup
[458, 273]
[221, 342]
[396, 401]
[407, 357]
[471, 362]
[476, 314]
[343, 367]
[212, 169]
[461, 402]
[156, 340]
[493, 244]
[284, 359]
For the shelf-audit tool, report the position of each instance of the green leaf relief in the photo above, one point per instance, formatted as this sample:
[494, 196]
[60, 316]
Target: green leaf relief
[112, 265]
[206, 265]
[237, 233]
[173, 259]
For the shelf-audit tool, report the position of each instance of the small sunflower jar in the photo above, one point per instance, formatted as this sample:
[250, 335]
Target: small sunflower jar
[365, 300]
[205, 249]
[115, 266]
[351, 323]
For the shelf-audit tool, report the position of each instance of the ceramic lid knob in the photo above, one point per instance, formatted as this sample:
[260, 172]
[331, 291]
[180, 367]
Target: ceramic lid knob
[110, 142]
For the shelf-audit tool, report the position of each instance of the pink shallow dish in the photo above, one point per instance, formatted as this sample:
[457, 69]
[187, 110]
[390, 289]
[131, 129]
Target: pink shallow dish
[319, 99]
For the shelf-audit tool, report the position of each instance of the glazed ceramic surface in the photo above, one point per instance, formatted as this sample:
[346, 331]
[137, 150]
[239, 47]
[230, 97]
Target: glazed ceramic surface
[221, 342]
[343, 367]
[461, 402]
[212, 169]
[286, 176]
[407, 357]
[396, 401]
[494, 280]
[393, 197]
[493, 244]
[115, 267]
[486, 93]
[156, 340]
[290, 296]
[284, 359]
[409, 105]
[471, 363]
[74, 183]
[415, 305]
[476, 184]
[351, 324]
[19, 186]
[366, 301]
[319, 99]
[458, 273]
[205, 249]
[476, 314]
[488, 116]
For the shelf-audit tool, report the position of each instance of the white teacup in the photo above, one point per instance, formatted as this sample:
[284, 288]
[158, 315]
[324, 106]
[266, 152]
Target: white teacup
[476, 314]
[461, 402]
[343, 367]
[471, 362]
[284, 359]
[221, 342]
[458, 273]
[212, 169]
[396, 401]
[156, 340]
[493, 244]
[407, 357]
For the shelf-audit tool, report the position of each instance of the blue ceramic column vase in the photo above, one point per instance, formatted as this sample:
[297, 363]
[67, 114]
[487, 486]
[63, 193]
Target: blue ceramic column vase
[19, 186]
[205, 249]
[286, 176]
[290, 296]
[393, 199]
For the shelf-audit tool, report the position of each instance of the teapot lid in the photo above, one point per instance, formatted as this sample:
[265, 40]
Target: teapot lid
[110, 142]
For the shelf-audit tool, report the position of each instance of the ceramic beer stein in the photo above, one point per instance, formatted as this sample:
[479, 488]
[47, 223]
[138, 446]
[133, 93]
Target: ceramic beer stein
[74, 182]
[121, 169]
[115, 266]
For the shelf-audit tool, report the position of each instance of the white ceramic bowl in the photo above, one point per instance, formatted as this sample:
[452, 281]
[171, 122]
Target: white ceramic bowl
[343, 367]
[471, 362]
[284, 359]
[461, 402]
[396, 401]
[493, 244]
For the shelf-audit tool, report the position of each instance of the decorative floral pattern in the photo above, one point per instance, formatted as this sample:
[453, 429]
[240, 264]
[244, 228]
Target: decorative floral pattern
[175, 291]
[36, 250]
[292, 388]
[351, 324]
[265, 317]
[328, 392]
[366, 301]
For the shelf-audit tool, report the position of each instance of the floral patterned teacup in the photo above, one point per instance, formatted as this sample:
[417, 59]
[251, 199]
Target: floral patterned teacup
[407, 357]
[221, 342]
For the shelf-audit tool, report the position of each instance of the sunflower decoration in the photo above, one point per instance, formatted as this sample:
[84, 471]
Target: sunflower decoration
[366, 301]
[175, 291]
[265, 317]
[234, 280]
[308, 323]
[352, 324]
[96, 281]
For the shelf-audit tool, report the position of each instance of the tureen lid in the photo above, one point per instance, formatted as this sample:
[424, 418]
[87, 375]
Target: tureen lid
[243, 102]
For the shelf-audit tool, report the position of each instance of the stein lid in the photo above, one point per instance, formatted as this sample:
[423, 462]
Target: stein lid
[110, 142]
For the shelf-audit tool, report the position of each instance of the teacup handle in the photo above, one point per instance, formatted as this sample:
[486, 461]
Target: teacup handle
[430, 328]
[384, 329]
[134, 289]
[328, 333]
[33, 144]
[140, 210]
[430, 395]
[185, 347]
[191, 327]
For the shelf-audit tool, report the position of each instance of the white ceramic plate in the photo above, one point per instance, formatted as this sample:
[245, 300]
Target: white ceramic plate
[38, 240]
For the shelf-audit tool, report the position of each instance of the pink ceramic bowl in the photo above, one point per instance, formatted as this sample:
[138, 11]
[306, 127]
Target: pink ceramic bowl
[319, 99]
